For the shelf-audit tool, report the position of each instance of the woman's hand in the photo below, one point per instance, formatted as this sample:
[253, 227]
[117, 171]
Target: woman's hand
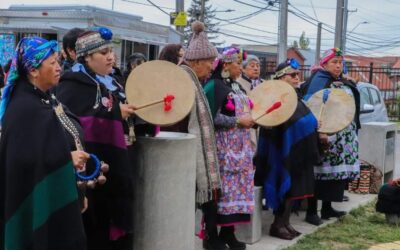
[127, 110]
[85, 205]
[324, 139]
[246, 121]
[79, 159]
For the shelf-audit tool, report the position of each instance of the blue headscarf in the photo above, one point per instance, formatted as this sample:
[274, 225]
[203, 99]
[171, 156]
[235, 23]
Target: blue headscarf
[29, 54]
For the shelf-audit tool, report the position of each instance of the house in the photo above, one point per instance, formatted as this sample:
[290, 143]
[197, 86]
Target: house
[131, 33]
[384, 72]
[268, 55]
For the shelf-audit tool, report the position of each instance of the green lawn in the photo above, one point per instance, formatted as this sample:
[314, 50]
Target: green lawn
[360, 229]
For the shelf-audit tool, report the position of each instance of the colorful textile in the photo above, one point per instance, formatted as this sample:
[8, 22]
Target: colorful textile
[39, 198]
[235, 153]
[285, 158]
[235, 156]
[341, 161]
[93, 41]
[208, 182]
[29, 54]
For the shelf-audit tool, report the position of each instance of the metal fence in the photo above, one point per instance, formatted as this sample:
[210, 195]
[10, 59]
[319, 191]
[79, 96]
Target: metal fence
[385, 78]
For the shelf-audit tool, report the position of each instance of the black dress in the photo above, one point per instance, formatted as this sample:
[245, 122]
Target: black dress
[110, 205]
[286, 156]
[39, 198]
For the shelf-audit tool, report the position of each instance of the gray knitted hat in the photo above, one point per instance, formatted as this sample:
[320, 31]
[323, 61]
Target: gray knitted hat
[199, 46]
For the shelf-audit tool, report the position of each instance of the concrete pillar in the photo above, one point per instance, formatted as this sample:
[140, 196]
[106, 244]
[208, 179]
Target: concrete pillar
[164, 192]
[251, 233]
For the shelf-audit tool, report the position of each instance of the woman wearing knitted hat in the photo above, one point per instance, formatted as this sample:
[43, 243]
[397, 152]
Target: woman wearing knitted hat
[340, 162]
[99, 102]
[286, 155]
[198, 60]
[39, 198]
[230, 108]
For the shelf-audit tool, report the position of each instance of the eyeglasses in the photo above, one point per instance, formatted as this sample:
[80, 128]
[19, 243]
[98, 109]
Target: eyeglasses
[293, 75]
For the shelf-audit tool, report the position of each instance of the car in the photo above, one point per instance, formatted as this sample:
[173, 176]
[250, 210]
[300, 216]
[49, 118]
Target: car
[372, 105]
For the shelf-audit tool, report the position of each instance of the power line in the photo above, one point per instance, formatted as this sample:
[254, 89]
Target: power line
[146, 4]
[158, 7]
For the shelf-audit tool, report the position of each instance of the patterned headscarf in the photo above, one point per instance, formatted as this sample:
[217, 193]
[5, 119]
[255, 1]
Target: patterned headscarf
[29, 55]
[329, 54]
[230, 54]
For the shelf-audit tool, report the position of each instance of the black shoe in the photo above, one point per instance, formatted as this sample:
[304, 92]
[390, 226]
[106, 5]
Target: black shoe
[281, 232]
[292, 230]
[214, 244]
[345, 198]
[326, 214]
[227, 235]
[314, 220]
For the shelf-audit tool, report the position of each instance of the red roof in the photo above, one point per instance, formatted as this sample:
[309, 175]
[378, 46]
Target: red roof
[380, 77]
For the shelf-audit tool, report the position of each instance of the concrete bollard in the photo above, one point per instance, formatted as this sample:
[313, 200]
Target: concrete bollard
[164, 192]
[251, 233]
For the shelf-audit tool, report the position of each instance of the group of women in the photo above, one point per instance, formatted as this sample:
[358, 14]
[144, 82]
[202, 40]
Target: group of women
[54, 122]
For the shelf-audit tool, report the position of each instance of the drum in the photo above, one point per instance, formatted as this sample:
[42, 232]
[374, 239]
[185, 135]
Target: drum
[162, 92]
[275, 101]
[333, 108]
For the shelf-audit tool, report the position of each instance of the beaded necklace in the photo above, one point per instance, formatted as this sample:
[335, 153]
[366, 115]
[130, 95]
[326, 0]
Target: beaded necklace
[97, 175]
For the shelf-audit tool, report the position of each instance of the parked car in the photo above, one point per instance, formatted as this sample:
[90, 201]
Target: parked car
[372, 106]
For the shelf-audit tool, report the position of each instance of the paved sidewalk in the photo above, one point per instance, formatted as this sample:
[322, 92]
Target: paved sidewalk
[271, 243]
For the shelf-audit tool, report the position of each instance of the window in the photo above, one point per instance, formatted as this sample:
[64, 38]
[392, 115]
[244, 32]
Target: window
[364, 97]
[375, 96]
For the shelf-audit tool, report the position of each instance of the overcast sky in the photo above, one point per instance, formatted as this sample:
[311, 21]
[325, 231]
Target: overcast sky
[374, 23]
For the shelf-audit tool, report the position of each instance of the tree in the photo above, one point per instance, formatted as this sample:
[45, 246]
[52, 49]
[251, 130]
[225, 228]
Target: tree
[304, 42]
[194, 13]
[295, 44]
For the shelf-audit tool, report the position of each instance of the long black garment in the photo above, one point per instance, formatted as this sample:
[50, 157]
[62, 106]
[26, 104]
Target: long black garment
[286, 156]
[110, 204]
[39, 198]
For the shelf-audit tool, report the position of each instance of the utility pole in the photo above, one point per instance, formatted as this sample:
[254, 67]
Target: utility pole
[318, 48]
[203, 10]
[179, 7]
[345, 17]
[282, 34]
[339, 24]
[112, 5]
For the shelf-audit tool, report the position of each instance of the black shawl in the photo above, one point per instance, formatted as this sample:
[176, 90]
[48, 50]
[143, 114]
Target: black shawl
[104, 136]
[39, 209]
[286, 155]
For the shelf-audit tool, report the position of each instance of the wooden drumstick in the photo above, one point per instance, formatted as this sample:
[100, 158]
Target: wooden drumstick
[325, 96]
[167, 100]
[274, 106]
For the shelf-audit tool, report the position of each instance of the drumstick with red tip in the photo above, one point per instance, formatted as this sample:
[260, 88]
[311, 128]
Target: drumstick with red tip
[167, 100]
[274, 106]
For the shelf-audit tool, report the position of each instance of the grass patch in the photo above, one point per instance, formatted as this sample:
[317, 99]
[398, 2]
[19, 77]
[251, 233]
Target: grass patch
[360, 229]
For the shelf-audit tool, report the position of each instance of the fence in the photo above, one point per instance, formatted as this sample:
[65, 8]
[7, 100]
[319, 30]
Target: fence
[385, 78]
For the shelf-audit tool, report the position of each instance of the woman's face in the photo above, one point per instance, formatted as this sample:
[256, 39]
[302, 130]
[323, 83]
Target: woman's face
[181, 53]
[252, 70]
[202, 68]
[101, 62]
[234, 69]
[48, 73]
[334, 66]
[292, 78]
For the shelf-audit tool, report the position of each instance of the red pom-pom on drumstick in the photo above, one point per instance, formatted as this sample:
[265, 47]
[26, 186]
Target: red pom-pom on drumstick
[168, 102]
